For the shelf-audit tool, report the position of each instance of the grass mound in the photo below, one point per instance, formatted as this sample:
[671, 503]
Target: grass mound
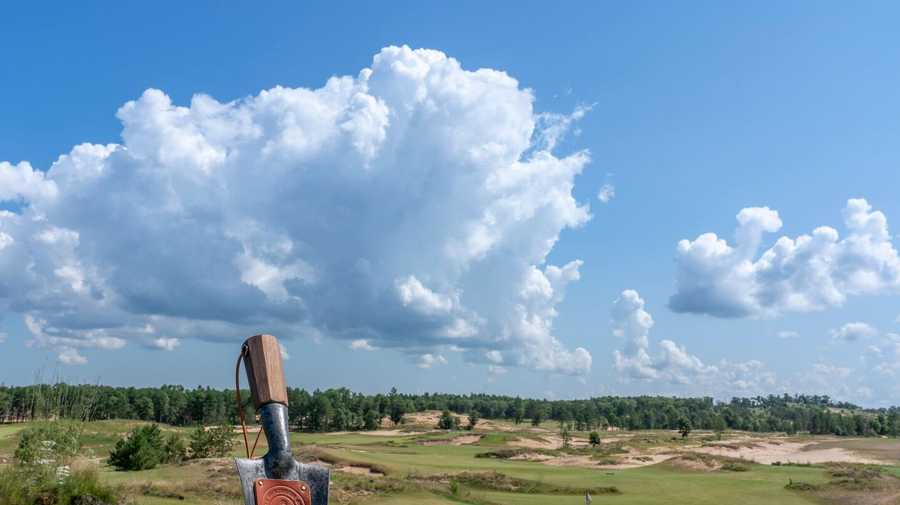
[850, 483]
[699, 461]
[496, 481]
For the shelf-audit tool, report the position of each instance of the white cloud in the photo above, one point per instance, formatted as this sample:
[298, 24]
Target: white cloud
[673, 363]
[284, 352]
[830, 371]
[361, 344]
[429, 360]
[164, 343]
[607, 193]
[3, 337]
[802, 274]
[787, 334]
[22, 182]
[412, 206]
[71, 356]
[633, 323]
[854, 331]
[553, 127]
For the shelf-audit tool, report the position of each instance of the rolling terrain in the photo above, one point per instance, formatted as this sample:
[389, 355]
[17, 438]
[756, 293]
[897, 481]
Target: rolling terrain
[502, 463]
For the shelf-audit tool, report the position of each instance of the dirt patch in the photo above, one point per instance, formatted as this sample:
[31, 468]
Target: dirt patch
[550, 442]
[768, 452]
[884, 449]
[429, 418]
[532, 456]
[359, 470]
[463, 440]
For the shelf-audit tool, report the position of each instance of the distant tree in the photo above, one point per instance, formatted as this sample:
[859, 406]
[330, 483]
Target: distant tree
[684, 427]
[214, 442]
[142, 449]
[594, 439]
[473, 420]
[565, 434]
[538, 416]
[518, 410]
[447, 421]
[397, 407]
[371, 419]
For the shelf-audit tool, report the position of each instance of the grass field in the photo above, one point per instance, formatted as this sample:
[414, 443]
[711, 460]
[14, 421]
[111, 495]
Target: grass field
[426, 467]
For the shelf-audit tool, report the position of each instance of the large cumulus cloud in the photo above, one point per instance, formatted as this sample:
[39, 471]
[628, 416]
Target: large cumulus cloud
[410, 207]
[806, 273]
[672, 363]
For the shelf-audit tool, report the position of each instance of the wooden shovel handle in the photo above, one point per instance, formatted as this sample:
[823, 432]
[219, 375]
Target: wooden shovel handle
[265, 370]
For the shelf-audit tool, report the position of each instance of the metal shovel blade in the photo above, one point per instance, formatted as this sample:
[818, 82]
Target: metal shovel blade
[250, 470]
[279, 462]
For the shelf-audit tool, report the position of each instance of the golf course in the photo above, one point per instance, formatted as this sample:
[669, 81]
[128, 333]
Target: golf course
[502, 463]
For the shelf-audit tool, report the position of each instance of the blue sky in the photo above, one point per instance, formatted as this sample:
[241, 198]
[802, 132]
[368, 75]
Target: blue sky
[696, 111]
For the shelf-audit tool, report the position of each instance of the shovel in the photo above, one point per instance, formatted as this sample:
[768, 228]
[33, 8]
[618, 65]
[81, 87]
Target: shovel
[277, 478]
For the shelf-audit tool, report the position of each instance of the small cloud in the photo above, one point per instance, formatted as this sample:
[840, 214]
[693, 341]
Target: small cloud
[2, 337]
[70, 356]
[164, 343]
[607, 193]
[495, 357]
[787, 334]
[429, 360]
[852, 332]
[361, 345]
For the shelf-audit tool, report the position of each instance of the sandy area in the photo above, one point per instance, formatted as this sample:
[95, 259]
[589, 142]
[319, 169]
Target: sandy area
[547, 442]
[767, 452]
[463, 440]
[375, 433]
[359, 470]
[630, 461]
[428, 417]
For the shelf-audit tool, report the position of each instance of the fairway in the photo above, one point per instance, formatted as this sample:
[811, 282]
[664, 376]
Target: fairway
[427, 466]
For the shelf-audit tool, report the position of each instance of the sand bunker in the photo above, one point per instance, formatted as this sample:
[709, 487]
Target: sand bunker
[359, 470]
[463, 440]
[547, 442]
[632, 460]
[768, 452]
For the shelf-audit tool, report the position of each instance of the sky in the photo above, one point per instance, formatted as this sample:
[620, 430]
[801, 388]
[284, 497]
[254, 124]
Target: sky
[602, 198]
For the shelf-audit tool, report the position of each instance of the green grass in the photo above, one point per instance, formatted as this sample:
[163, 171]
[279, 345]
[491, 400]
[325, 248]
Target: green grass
[414, 469]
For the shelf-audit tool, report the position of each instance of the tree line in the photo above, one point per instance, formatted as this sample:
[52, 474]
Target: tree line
[341, 409]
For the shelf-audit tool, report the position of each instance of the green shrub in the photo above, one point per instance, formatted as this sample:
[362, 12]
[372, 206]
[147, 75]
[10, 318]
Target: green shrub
[50, 443]
[41, 484]
[142, 449]
[447, 421]
[214, 442]
[174, 449]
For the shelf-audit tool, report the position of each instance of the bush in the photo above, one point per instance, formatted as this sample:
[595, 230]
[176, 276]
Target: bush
[594, 439]
[174, 449]
[447, 421]
[51, 443]
[473, 420]
[27, 485]
[214, 442]
[142, 449]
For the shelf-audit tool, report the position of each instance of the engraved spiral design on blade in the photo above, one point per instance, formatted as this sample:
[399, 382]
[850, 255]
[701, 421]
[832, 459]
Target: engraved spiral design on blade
[283, 495]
